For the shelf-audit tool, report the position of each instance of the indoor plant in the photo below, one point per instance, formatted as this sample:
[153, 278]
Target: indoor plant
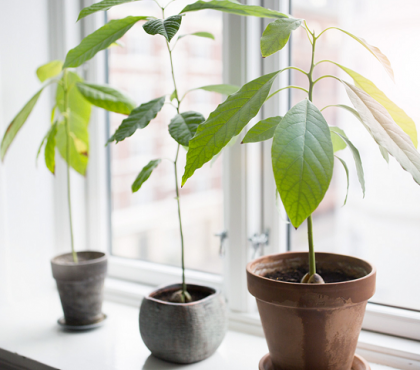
[183, 306]
[79, 275]
[309, 324]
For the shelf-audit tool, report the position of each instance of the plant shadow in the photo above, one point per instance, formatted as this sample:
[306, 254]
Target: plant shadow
[153, 363]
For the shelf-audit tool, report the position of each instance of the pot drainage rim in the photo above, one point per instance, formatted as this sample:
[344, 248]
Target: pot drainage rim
[62, 322]
[359, 363]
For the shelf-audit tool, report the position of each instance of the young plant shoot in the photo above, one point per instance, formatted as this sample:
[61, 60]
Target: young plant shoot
[68, 131]
[303, 143]
[183, 125]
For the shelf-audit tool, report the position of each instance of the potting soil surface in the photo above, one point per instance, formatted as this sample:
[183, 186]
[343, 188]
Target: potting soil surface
[295, 275]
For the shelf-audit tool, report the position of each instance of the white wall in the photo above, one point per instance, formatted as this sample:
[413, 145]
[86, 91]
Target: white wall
[26, 192]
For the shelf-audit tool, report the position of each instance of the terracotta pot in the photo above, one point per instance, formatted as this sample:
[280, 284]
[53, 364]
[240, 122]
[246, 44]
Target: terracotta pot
[80, 286]
[311, 326]
[183, 332]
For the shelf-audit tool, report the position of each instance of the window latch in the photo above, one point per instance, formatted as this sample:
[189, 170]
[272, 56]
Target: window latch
[223, 235]
[258, 242]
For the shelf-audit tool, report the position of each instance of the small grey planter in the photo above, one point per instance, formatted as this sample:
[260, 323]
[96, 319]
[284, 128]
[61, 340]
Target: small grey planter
[183, 332]
[81, 286]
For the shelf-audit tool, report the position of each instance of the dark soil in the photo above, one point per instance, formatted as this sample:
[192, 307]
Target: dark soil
[295, 275]
[195, 295]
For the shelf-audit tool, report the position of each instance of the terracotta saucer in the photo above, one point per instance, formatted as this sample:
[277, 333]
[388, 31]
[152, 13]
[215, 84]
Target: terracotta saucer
[359, 363]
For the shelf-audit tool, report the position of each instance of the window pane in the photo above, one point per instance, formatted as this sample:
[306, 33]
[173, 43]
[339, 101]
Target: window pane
[384, 227]
[145, 224]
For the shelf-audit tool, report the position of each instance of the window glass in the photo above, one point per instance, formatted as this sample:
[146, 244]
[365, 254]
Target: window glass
[382, 228]
[145, 224]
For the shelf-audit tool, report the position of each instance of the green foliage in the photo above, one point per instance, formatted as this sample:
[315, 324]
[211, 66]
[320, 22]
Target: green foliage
[302, 158]
[17, 123]
[337, 141]
[79, 142]
[233, 8]
[356, 156]
[262, 130]
[184, 126]
[227, 121]
[101, 6]
[106, 97]
[49, 152]
[144, 174]
[76, 103]
[277, 34]
[167, 27]
[207, 35]
[373, 50]
[347, 175]
[385, 131]
[139, 118]
[224, 89]
[100, 40]
[49, 70]
[354, 112]
[397, 114]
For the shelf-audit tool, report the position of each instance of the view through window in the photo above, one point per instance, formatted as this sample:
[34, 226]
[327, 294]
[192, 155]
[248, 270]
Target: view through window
[145, 224]
[384, 227]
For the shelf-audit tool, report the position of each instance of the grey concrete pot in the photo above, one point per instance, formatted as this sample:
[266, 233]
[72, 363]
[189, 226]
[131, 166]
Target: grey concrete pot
[81, 286]
[183, 332]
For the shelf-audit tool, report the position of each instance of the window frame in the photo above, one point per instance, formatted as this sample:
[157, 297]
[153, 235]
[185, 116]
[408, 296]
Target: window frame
[238, 222]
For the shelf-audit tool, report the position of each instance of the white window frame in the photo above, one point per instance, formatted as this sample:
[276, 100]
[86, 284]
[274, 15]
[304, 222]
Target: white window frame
[237, 58]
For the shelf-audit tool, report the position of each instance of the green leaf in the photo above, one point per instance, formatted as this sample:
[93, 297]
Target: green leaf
[227, 121]
[144, 174]
[207, 35]
[356, 156]
[49, 152]
[184, 126]
[357, 115]
[277, 34]
[348, 179]
[106, 97]
[167, 28]
[173, 96]
[17, 123]
[102, 5]
[231, 143]
[78, 160]
[41, 145]
[233, 8]
[374, 51]
[139, 118]
[224, 89]
[397, 114]
[337, 141]
[49, 70]
[99, 40]
[385, 131]
[76, 103]
[262, 130]
[303, 160]
[384, 153]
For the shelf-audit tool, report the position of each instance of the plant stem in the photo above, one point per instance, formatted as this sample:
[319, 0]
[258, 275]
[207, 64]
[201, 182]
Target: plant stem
[312, 262]
[67, 126]
[184, 285]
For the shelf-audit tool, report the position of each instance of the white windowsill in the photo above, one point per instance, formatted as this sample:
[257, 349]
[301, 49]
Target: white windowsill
[29, 330]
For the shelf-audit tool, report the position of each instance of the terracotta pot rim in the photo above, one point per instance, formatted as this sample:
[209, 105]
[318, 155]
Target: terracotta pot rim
[215, 293]
[315, 286]
[102, 257]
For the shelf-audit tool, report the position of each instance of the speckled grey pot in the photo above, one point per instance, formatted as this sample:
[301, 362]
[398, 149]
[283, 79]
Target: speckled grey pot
[81, 286]
[183, 332]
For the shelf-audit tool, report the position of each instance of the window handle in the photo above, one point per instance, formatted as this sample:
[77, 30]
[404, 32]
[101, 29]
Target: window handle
[258, 242]
[223, 235]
